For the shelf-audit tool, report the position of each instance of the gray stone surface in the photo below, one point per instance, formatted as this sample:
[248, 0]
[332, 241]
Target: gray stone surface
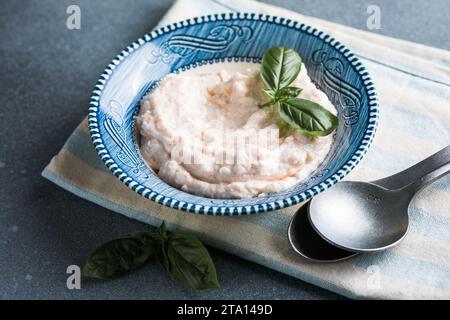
[47, 74]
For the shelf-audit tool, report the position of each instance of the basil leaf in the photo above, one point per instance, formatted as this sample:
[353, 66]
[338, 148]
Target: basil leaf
[190, 262]
[270, 93]
[280, 67]
[120, 256]
[161, 236]
[161, 255]
[289, 92]
[307, 116]
[161, 233]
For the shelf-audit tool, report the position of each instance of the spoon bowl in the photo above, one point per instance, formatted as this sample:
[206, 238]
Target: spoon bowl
[306, 242]
[361, 217]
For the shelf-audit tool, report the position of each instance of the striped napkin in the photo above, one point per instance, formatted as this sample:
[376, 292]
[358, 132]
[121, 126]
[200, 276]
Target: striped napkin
[414, 87]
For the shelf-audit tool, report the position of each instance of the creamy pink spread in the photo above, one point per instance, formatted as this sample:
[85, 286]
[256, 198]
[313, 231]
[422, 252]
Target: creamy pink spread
[206, 135]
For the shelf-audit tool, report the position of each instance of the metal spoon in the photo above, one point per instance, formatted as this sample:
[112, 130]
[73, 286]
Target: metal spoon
[366, 217]
[362, 217]
[309, 244]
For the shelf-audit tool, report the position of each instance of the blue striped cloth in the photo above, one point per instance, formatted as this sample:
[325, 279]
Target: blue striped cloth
[414, 87]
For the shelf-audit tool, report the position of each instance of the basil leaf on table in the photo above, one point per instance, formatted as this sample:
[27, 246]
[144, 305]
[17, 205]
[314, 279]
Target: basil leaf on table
[161, 233]
[161, 238]
[120, 256]
[190, 262]
[307, 116]
[280, 67]
[179, 253]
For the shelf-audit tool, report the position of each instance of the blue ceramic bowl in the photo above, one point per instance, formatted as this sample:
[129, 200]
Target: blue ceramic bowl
[229, 37]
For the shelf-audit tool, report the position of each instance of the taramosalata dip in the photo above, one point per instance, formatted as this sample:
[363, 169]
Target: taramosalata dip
[205, 134]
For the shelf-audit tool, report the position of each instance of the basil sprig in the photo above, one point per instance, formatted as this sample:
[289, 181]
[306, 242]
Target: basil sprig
[280, 68]
[182, 254]
[301, 114]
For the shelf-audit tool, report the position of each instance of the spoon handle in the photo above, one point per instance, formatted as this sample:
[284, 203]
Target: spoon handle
[420, 175]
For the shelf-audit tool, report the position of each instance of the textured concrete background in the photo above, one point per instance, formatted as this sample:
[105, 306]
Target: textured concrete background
[47, 75]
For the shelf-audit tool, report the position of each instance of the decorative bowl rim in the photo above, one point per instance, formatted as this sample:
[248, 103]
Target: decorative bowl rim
[291, 200]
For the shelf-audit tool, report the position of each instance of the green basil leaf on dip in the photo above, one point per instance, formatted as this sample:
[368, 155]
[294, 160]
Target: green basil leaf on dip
[190, 262]
[280, 67]
[309, 117]
[118, 257]
[289, 92]
[270, 93]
